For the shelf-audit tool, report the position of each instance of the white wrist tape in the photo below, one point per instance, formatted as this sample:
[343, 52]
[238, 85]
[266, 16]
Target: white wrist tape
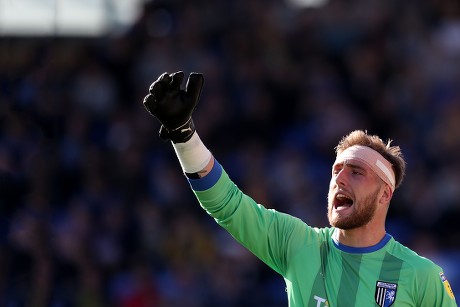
[193, 155]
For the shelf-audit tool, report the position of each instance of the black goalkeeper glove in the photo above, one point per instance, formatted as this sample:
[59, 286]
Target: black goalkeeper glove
[173, 106]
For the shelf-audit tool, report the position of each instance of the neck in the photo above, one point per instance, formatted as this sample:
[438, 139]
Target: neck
[359, 237]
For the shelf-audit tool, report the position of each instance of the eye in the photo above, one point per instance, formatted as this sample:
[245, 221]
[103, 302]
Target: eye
[357, 171]
[335, 171]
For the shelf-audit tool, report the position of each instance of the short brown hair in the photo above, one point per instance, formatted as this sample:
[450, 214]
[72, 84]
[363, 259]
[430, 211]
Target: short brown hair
[392, 153]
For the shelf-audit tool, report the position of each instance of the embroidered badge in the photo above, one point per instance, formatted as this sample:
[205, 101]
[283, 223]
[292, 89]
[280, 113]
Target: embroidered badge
[385, 293]
[446, 284]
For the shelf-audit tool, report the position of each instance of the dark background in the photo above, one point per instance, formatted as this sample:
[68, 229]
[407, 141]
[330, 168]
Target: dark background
[94, 208]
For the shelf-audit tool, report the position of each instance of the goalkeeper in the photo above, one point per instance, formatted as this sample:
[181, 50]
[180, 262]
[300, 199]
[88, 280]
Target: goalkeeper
[352, 263]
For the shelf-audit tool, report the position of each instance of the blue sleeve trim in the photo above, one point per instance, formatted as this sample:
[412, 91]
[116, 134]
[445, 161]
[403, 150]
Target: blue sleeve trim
[207, 181]
[362, 250]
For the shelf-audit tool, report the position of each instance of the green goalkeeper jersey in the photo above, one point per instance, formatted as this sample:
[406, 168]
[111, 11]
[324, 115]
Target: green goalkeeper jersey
[318, 270]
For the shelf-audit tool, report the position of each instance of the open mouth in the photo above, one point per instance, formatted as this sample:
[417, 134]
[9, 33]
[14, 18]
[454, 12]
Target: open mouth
[342, 202]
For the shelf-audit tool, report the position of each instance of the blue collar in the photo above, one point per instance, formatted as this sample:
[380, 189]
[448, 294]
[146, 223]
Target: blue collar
[362, 250]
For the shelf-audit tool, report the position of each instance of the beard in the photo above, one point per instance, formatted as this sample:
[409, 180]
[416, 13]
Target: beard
[361, 216]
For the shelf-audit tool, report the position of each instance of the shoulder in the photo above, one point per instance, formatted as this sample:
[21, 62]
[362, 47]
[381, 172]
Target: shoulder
[414, 263]
[297, 233]
[428, 281]
[406, 254]
[299, 227]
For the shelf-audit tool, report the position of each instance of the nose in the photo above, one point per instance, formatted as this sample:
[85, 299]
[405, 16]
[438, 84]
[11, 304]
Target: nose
[340, 178]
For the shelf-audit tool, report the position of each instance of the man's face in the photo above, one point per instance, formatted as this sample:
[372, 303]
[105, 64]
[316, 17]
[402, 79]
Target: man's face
[353, 194]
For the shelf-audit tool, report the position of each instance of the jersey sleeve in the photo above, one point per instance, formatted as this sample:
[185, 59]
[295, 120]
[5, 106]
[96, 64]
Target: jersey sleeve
[434, 288]
[271, 235]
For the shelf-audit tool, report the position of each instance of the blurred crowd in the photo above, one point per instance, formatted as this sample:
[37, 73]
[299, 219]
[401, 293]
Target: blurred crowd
[94, 208]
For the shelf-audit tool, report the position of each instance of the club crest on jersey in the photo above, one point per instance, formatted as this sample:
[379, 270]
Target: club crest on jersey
[385, 293]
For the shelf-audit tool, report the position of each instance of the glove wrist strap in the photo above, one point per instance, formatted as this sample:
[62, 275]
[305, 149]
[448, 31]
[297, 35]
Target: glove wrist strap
[181, 134]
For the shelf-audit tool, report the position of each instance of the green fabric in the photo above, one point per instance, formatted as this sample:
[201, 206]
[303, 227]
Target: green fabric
[317, 273]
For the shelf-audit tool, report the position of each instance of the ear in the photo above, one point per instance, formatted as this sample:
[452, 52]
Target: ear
[386, 195]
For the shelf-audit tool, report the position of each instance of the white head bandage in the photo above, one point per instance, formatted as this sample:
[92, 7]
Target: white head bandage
[381, 166]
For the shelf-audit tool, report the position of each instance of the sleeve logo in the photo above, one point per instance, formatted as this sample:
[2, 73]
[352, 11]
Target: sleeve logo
[446, 284]
[385, 293]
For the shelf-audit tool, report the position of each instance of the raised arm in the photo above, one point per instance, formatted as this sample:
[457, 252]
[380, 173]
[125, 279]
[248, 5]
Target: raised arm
[265, 232]
[173, 107]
